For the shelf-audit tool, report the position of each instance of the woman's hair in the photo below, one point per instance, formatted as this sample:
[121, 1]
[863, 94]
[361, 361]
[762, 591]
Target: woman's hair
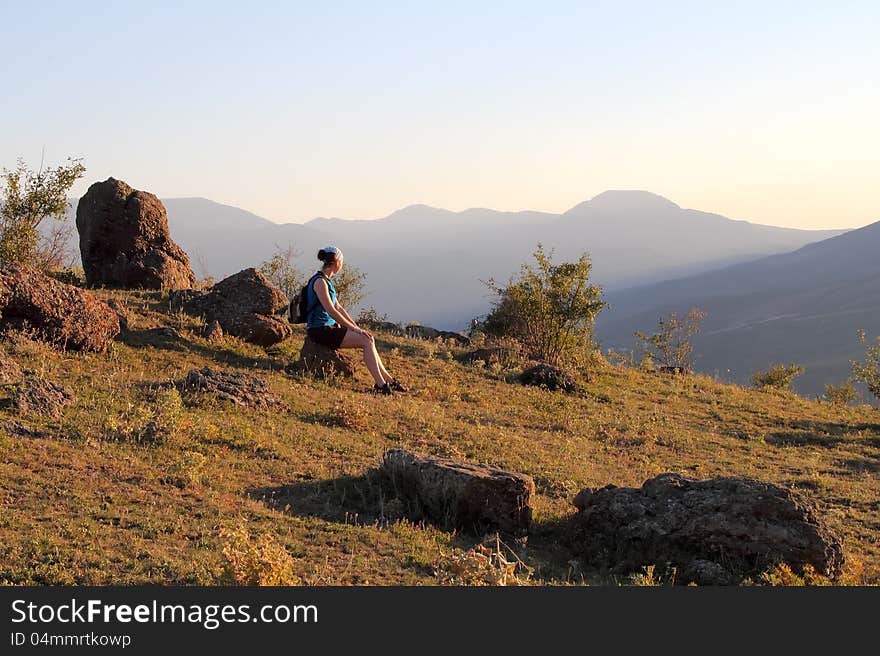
[329, 255]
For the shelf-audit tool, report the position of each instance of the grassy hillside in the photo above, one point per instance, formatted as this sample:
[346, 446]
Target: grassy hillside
[134, 485]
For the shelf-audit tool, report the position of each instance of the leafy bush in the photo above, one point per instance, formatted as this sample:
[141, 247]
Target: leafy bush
[868, 370]
[778, 376]
[281, 271]
[549, 308]
[841, 395]
[27, 198]
[351, 286]
[260, 561]
[671, 345]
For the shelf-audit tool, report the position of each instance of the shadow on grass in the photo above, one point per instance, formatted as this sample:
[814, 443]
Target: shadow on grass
[371, 500]
[347, 499]
[823, 438]
[791, 438]
[172, 340]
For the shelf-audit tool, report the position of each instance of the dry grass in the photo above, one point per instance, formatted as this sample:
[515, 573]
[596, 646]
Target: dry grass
[135, 486]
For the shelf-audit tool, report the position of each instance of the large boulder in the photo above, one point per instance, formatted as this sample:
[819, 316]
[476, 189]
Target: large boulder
[714, 532]
[244, 304]
[323, 362]
[462, 494]
[65, 316]
[124, 240]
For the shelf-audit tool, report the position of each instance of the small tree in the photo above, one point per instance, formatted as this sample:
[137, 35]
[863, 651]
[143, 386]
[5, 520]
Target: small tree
[548, 308]
[778, 376]
[281, 270]
[351, 286]
[868, 370]
[29, 197]
[671, 345]
[840, 395]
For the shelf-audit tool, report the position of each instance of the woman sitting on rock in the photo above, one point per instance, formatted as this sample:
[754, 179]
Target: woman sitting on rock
[328, 323]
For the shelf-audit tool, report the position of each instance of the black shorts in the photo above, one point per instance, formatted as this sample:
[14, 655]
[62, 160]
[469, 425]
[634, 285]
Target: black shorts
[329, 336]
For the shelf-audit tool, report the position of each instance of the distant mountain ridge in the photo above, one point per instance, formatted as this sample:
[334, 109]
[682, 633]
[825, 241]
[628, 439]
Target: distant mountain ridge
[425, 264]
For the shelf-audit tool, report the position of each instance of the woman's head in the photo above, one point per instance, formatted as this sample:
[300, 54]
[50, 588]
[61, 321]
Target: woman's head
[331, 258]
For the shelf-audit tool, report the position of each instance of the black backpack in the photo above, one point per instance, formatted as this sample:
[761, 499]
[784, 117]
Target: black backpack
[301, 302]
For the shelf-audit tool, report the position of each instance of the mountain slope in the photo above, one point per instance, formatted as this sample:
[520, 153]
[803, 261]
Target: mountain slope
[804, 307]
[425, 264]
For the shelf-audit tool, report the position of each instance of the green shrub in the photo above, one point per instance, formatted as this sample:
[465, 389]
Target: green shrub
[778, 376]
[671, 345]
[840, 395]
[549, 308]
[27, 197]
[868, 370]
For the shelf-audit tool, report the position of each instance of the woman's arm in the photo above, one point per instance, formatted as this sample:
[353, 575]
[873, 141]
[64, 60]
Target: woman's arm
[341, 318]
[345, 313]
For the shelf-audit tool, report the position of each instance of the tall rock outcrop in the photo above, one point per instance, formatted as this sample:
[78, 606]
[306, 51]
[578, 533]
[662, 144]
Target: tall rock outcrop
[124, 240]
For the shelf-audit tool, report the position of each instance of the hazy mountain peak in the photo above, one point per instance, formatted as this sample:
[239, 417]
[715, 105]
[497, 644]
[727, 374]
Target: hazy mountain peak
[623, 200]
[419, 210]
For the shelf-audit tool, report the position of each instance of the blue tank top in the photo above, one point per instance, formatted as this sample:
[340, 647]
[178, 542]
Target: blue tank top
[317, 316]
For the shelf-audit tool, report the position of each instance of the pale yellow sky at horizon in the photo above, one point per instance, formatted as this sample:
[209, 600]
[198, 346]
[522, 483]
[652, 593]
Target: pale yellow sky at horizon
[764, 112]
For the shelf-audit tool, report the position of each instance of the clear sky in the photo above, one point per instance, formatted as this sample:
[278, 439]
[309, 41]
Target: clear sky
[764, 111]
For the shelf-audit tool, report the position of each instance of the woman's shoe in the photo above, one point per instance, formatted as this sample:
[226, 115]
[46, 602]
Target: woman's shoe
[383, 389]
[397, 386]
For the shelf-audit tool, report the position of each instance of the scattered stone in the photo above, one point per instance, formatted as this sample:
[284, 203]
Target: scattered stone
[322, 362]
[461, 494]
[674, 371]
[61, 314]
[122, 313]
[37, 396]
[163, 332]
[124, 240]
[18, 429]
[383, 326]
[10, 372]
[241, 389]
[489, 356]
[458, 338]
[714, 532]
[213, 332]
[417, 331]
[545, 375]
[243, 304]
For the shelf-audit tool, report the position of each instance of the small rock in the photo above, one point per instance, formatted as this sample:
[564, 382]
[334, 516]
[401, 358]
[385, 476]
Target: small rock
[489, 356]
[18, 429]
[545, 375]
[417, 331]
[674, 371]
[37, 396]
[165, 332]
[10, 372]
[714, 532]
[321, 361]
[121, 312]
[213, 332]
[461, 494]
[241, 389]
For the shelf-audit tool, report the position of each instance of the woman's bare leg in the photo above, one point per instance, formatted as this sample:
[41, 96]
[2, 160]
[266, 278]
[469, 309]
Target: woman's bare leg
[371, 357]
